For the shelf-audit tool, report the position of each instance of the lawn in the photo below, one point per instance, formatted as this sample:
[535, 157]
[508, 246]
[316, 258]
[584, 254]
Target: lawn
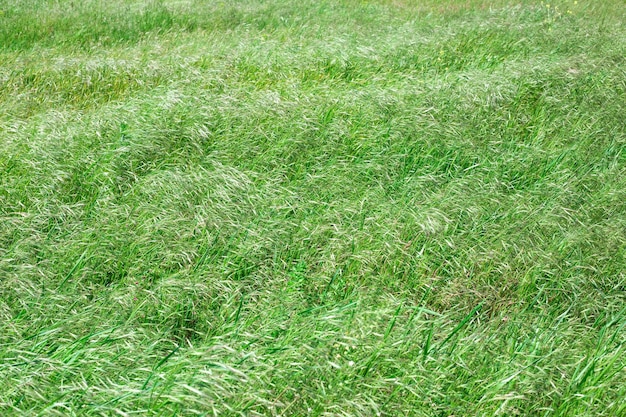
[312, 208]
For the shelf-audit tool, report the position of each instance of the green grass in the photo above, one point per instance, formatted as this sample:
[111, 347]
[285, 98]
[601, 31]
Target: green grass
[312, 208]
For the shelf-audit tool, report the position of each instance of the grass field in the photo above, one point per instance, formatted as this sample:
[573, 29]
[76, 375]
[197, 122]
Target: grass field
[313, 208]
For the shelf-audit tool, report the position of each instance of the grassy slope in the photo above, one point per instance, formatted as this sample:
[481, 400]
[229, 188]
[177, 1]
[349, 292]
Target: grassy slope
[312, 208]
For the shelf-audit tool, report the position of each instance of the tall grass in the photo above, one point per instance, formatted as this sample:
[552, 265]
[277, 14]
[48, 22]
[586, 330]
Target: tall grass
[312, 208]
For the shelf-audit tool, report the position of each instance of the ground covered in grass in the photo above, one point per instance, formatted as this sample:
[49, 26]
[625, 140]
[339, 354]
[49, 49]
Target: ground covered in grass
[313, 208]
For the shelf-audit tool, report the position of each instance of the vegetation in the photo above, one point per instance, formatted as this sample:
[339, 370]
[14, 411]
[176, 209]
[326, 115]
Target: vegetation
[312, 208]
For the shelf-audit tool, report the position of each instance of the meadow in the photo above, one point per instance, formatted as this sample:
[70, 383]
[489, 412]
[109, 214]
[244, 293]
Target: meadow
[312, 208]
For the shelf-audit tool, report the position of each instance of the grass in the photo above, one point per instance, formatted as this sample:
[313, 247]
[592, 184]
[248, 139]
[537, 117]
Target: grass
[313, 208]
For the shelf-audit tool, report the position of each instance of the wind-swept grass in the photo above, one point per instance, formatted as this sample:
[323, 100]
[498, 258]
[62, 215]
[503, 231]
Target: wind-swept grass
[359, 208]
